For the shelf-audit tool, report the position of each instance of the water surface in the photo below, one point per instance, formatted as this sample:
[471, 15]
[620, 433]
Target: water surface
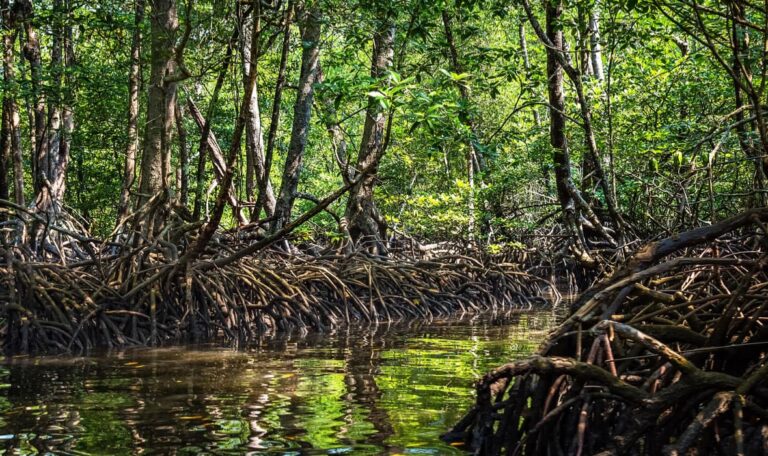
[388, 391]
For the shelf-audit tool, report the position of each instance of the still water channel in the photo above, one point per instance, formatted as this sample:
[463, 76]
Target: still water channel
[389, 391]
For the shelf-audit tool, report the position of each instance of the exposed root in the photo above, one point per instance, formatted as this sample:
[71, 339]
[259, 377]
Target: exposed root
[668, 355]
[128, 300]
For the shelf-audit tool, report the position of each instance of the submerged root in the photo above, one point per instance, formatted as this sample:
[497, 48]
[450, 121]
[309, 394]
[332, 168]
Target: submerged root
[666, 356]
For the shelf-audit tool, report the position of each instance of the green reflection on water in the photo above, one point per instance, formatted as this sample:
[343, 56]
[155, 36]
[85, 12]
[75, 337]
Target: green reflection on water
[358, 392]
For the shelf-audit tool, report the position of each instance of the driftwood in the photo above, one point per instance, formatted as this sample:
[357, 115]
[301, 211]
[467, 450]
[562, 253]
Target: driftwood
[665, 356]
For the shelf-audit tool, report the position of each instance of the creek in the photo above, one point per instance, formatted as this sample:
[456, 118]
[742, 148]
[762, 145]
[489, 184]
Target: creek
[360, 391]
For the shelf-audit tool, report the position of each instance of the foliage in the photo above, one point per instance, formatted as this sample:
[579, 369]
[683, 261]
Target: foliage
[655, 113]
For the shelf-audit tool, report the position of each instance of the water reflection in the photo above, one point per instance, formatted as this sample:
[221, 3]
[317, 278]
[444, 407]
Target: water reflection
[360, 392]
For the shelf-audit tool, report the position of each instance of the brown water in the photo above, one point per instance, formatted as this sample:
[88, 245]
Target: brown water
[357, 392]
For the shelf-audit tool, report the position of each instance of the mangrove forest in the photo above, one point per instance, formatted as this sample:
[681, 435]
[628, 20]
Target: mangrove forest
[492, 227]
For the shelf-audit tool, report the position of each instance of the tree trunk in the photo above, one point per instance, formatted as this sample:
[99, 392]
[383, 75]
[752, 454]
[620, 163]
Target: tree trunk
[558, 52]
[473, 156]
[55, 103]
[32, 54]
[218, 159]
[208, 230]
[302, 112]
[594, 39]
[16, 156]
[582, 42]
[28, 100]
[527, 66]
[161, 99]
[592, 171]
[208, 140]
[742, 69]
[134, 81]
[183, 173]
[266, 197]
[60, 124]
[255, 173]
[589, 181]
[7, 29]
[364, 222]
[61, 163]
[10, 139]
[52, 137]
[557, 138]
[5, 153]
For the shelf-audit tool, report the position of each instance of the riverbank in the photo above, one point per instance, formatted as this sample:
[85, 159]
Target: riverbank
[139, 297]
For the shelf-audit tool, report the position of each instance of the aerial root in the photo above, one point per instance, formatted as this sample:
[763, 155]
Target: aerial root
[665, 356]
[146, 285]
[136, 299]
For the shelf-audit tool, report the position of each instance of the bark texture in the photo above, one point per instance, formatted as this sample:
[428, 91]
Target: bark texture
[266, 198]
[11, 165]
[256, 176]
[32, 54]
[134, 82]
[594, 39]
[364, 222]
[557, 138]
[302, 113]
[61, 119]
[161, 98]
